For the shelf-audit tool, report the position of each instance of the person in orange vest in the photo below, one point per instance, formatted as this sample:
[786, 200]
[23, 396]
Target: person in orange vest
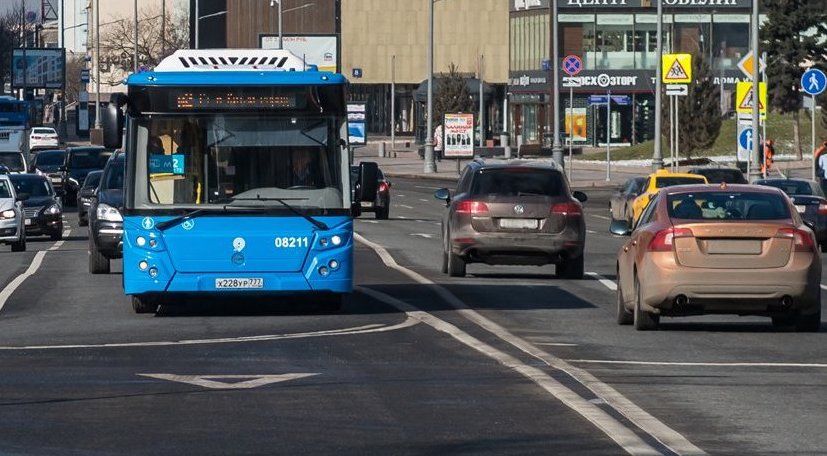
[769, 152]
[820, 151]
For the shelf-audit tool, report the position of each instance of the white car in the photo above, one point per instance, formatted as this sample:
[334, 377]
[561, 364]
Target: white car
[12, 229]
[43, 138]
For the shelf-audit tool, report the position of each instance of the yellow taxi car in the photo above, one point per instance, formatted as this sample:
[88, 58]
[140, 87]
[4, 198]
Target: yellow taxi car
[660, 179]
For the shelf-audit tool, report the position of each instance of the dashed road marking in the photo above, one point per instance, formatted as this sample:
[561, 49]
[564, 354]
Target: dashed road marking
[428, 188]
[697, 364]
[423, 235]
[405, 206]
[37, 261]
[366, 329]
[601, 217]
[611, 285]
[613, 428]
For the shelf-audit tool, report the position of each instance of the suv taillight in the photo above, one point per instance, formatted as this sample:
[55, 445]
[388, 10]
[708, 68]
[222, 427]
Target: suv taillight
[383, 186]
[802, 240]
[472, 207]
[664, 240]
[568, 209]
[822, 208]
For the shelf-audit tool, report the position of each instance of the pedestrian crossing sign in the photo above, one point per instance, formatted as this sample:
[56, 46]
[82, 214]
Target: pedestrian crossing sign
[677, 68]
[744, 98]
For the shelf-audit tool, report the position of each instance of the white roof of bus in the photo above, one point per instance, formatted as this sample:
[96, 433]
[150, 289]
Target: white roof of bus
[232, 60]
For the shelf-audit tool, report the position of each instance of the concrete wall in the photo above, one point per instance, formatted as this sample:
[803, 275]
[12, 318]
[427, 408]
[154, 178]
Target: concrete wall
[374, 30]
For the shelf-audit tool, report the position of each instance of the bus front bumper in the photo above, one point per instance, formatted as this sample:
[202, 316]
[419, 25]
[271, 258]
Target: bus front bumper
[233, 283]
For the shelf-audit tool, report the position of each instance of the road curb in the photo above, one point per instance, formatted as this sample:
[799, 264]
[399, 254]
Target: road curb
[587, 186]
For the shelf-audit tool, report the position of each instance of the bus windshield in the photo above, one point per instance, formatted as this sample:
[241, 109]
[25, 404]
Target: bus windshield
[240, 159]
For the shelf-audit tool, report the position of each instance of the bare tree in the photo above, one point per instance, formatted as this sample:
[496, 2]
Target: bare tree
[74, 64]
[11, 25]
[118, 42]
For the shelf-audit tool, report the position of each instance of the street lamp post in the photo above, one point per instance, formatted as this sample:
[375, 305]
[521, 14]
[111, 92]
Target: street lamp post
[97, 65]
[657, 156]
[556, 148]
[755, 170]
[135, 54]
[430, 162]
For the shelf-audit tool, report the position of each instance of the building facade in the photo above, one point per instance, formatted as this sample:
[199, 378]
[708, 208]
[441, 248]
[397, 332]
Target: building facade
[385, 41]
[616, 40]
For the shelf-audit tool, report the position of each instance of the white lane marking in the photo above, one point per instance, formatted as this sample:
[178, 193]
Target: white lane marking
[696, 364]
[555, 344]
[60, 243]
[823, 287]
[623, 436]
[210, 381]
[367, 329]
[591, 231]
[602, 217]
[611, 285]
[400, 195]
[401, 216]
[369, 221]
[405, 206]
[645, 421]
[423, 200]
[428, 188]
[12, 286]
[423, 235]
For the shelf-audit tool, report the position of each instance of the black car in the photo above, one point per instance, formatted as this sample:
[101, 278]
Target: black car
[86, 194]
[80, 161]
[105, 220]
[718, 175]
[810, 202]
[49, 163]
[381, 204]
[42, 211]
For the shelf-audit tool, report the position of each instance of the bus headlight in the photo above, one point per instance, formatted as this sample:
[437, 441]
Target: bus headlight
[336, 240]
[108, 213]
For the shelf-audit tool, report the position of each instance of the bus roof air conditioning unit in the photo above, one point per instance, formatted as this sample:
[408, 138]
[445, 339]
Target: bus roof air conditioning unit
[233, 60]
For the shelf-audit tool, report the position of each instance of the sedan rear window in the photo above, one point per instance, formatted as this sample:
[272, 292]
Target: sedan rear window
[727, 206]
[518, 182]
[50, 158]
[663, 182]
[716, 176]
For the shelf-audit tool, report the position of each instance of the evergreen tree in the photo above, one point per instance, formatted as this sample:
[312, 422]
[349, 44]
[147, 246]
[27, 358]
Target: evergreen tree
[451, 95]
[699, 112]
[791, 36]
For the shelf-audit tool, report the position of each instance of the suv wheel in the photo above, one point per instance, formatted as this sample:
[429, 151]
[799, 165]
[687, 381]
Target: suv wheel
[56, 236]
[382, 213]
[20, 245]
[456, 265]
[571, 268]
[98, 264]
[644, 321]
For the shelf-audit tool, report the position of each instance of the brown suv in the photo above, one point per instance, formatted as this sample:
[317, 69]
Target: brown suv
[513, 213]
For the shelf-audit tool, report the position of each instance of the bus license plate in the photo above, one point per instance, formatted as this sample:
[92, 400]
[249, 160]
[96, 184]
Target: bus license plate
[239, 284]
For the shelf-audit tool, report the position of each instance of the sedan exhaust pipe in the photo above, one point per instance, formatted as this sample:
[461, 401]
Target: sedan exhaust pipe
[681, 301]
[786, 302]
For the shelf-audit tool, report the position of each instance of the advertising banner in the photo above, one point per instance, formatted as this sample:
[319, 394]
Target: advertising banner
[458, 136]
[41, 68]
[356, 123]
[319, 50]
[576, 125]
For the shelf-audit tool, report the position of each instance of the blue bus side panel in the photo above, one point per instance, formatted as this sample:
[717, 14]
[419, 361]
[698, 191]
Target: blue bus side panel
[286, 252]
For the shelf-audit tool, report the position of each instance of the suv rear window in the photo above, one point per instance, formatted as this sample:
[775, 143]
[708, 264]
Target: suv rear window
[728, 206]
[794, 187]
[663, 182]
[518, 182]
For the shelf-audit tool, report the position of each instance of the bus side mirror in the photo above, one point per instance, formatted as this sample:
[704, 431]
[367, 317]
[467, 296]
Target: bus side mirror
[113, 121]
[368, 181]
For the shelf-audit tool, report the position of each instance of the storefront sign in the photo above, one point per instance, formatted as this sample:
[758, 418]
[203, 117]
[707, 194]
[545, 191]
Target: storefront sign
[606, 4]
[522, 5]
[528, 79]
[458, 139]
[631, 80]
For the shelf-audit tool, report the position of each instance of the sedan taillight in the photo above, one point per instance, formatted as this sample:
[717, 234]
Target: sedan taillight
[664, 240]
[802, 240]
[568, 209]
[472, 207]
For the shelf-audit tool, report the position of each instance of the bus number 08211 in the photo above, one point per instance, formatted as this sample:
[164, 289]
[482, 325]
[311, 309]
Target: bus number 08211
[291, 242]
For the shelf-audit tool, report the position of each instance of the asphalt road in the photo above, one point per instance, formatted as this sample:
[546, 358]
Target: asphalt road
[508, 360]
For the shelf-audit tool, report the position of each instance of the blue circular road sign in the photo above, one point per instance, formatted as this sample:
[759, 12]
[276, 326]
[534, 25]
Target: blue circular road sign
[572, 65]
[745, 139]
[814, 82]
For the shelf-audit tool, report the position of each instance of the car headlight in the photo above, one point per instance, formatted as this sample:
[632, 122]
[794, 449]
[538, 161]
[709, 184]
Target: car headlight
[108, 213]
[52, 210]
[9, 214]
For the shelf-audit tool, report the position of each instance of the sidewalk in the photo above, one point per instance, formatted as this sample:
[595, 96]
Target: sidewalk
[407, 164]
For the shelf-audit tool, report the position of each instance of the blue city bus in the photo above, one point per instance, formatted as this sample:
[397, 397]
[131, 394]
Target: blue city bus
[237, 179]
[14, 112]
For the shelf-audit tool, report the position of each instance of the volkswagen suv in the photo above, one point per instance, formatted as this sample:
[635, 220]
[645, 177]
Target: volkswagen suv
[513, 213]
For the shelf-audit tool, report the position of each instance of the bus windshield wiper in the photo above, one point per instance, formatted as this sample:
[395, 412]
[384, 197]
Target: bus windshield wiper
[283, 201]
[163, 226]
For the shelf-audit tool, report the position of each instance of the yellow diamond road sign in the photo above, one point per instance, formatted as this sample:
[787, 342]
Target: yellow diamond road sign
[677, 68]
[744, 98]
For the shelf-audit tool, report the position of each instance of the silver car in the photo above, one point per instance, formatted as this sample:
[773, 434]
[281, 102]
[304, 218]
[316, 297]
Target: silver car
[12, 230]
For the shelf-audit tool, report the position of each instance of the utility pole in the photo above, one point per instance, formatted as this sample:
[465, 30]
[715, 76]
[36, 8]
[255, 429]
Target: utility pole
[482, 104]
[97, 65]
[281, 26]
[657, 156]
[62, 45]
[135, 54]
[163, 27]
[393, 105]
[430, 163]
[197, 20]
[755, 171]
[556, 148]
